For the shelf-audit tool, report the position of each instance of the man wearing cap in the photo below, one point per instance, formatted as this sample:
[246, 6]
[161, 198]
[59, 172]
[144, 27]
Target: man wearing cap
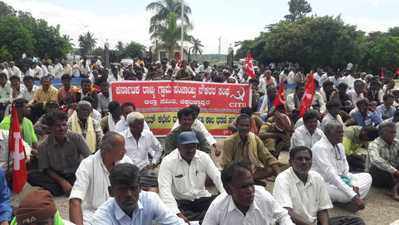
[38, 208]
[182, 177]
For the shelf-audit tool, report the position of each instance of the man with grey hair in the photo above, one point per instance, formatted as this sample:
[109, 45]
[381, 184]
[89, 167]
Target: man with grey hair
[82, 123]
[384, 159]
[90, 189]
[330, 161]
[142, 147]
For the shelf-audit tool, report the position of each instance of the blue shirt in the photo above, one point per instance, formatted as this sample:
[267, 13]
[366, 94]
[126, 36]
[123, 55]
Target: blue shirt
[5, 199]
[372, 118]
[385, 112]
[149, 208]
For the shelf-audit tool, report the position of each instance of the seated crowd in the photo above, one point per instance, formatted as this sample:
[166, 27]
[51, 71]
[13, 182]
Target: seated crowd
[102, 155]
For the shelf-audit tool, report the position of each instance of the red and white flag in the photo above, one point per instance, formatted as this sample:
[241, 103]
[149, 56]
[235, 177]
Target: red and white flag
[249, 66]
[17, 151]
[280, 97]
[307, 98]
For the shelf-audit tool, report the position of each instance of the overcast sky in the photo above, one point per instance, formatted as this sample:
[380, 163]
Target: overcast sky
[232, 20]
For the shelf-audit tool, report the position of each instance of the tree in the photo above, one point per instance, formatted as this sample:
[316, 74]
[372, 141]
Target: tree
[133, 49]
[87, 42]
[298, 9]
[6, 10]
[163, 9]
[197, 46]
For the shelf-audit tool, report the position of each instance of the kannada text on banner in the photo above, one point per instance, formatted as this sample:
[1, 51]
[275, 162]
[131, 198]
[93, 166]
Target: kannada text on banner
[159, 101]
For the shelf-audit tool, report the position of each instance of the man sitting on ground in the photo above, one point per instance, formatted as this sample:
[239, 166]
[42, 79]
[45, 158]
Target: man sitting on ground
[243, 202]
[330, 161]
[384, 159]
[307, 134]
[182, 177]
[114, 115]
[130, 205]
[90, 189]
[126, 109]
[82, 123]
[186, 118]
[59, 156]
[304, 194]
[246, 146]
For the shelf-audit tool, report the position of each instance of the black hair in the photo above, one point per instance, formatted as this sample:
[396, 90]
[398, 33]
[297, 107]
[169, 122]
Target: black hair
[27, 78]
[372, 132]
[229, 171]
[51, 118]
[3, 75]
[310, 114]
[85, 80]
[246, 110]
[195, 108]
[124, 174]
[15, 77]
[185, 112]
[66, 77]
[127, 104]
[297, 149]
[384, 98]
[20, 102]
[333, 104]
[113, 105]
[242, 117]
[362, 101]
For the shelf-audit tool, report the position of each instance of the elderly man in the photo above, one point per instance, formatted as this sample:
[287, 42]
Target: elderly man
[82, 123]
[248, 147]
[244, 203]
[90, 189]
[186, 117]
[308, 134]
[330, 161]
[122, 125]
[182, 177]
[384, 159]
[130, 205]
[304, 194]
[60, 154]
[140, 143]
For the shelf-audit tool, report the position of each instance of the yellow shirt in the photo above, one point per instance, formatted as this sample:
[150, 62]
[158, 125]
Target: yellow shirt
[42, 96]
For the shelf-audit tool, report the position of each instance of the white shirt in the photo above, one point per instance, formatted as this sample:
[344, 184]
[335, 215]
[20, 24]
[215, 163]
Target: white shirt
[264, 210]
[305, 199]
[28, 95]
[182, 181]
[330, 162]
[354, 96]
[302, 137]
[38, 72]
[122, 125]
[199, 126]
[96, 115]
[58, 70]
[329, 118]
[14, 71]
[138, 151]
[92, 182]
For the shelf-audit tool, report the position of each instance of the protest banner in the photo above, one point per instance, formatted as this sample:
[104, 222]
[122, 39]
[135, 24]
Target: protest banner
[159, 101]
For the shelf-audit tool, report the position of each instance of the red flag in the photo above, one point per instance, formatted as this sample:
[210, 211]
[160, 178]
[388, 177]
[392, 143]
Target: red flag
[249, 66]
[307, 98]
[280, 97]
[17, 151]
[382, 73]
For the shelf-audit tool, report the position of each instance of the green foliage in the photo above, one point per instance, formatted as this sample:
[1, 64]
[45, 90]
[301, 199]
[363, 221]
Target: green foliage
[21, 33]
[87, 42]
[298, 9]
[383, 52]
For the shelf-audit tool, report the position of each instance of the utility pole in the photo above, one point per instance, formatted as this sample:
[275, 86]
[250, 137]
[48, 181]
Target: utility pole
[220, 43]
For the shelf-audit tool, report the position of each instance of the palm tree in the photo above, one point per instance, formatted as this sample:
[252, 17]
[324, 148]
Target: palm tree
[197, 45]
[163, 8]
[87, 42]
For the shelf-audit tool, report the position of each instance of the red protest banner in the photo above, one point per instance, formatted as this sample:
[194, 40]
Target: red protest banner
[160, 100]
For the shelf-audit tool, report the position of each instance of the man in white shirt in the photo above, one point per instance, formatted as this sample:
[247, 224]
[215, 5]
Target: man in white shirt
[333, 108]
[14, 70]
[357, 93]
[330, 161]
[182, 177]
[90, 189]
[58, 70]
[308, 134]
[304, 194]
[140, 143]
[244, 203]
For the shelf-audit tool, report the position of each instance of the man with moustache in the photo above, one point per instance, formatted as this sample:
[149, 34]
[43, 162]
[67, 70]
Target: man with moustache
[129, 205]
[304, 194]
